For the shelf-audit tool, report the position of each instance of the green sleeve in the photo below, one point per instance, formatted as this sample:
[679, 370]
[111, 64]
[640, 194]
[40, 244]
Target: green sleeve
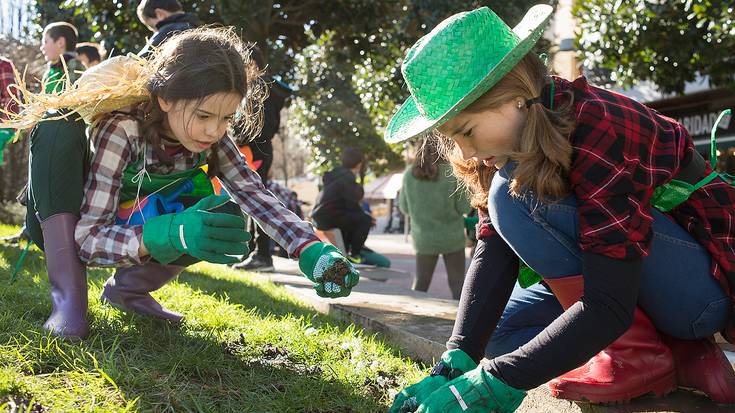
[402, 198]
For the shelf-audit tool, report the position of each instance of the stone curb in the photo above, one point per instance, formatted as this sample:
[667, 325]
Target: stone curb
[420, 324]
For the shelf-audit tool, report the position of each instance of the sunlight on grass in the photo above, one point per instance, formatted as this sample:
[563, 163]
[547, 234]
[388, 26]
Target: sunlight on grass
[246, 345]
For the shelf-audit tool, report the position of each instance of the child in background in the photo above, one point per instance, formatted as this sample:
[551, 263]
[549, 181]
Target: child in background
[90, 54]
[431, 198]
[164, 18]
[58, 46]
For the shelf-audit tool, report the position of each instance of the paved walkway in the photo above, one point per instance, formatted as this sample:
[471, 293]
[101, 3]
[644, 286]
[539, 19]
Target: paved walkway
[403, 258]
[420, 324]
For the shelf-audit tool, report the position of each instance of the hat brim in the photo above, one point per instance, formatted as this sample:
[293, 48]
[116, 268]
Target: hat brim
[408, 122]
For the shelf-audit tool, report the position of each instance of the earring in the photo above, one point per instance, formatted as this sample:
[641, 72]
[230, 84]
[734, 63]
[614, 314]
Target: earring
[520, 104]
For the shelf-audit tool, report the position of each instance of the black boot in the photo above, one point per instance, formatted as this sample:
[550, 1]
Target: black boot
[257, 263]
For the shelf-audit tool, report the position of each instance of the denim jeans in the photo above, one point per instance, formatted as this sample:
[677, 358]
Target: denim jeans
[677, 290]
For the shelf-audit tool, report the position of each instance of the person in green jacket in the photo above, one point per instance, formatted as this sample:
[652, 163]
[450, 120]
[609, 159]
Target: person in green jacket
[431, 198]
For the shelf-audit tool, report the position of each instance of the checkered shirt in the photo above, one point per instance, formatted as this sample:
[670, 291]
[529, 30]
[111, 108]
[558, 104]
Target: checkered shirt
[283, 194]
[117, 143]
[622, 151]
[7, 78]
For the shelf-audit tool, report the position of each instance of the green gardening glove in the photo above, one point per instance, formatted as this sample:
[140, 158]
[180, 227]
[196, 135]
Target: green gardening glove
[209, 236]
[453, 364]
[333, 276]
[475, 391]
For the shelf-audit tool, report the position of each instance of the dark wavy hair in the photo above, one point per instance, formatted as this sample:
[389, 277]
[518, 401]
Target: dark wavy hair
[198, 63]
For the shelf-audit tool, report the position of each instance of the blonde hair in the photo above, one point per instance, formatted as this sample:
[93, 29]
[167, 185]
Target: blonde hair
[543, 154]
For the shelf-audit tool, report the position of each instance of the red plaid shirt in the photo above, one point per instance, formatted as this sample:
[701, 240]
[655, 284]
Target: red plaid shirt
[622, 151]
[117, 143]
[7, 78]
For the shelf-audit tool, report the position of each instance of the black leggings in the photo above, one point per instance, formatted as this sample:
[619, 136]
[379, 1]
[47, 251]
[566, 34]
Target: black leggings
[355, 227]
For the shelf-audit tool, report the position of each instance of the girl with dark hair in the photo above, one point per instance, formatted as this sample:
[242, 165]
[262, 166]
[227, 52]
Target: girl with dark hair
[431, 198]
[140, 200]
[605, 198]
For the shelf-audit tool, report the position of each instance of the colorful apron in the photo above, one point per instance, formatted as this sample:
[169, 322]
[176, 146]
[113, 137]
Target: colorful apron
[144, 195]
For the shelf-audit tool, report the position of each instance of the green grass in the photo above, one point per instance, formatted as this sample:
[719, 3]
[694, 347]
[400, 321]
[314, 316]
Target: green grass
[246, 346]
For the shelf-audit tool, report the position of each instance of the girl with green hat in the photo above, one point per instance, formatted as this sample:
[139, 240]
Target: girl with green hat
[607, 199]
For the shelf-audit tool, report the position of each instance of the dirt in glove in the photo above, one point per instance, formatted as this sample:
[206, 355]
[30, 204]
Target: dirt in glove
[336, 273]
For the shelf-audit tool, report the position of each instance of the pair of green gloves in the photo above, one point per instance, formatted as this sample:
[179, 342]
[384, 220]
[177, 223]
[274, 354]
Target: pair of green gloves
[221, 238]
[458, 384]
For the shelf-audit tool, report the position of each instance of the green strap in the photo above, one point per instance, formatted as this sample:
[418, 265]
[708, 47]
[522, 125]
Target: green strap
[676, 192]
[713, 139]
[707, 179]
[19, 264]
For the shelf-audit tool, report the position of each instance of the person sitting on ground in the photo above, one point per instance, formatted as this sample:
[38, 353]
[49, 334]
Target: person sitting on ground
[163, 18]
[90, 54]
[431, 199]
[338, 203]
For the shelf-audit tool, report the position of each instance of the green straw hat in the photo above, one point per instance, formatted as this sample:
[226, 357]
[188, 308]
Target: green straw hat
[462, 58]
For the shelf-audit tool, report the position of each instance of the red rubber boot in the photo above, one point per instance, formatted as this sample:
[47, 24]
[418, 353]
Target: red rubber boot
[638, 362]
[701, 365]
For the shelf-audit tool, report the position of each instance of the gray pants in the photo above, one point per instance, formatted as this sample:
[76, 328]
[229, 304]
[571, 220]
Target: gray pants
[425, 264]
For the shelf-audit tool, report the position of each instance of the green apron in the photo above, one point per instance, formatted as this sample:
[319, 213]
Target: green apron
[136, 183]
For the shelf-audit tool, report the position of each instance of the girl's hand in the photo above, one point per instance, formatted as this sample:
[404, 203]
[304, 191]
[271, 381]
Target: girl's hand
[453, 364]
[475, 391]
[333, 276]
[210, 236]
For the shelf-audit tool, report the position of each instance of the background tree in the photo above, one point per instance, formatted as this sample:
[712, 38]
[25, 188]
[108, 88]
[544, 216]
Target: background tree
[279, 28]
[364, 64]
[328, 113]
[667, 42]
[290, 154]
[342, 56]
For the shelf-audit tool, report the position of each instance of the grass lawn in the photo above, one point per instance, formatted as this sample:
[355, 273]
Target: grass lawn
[246, 346]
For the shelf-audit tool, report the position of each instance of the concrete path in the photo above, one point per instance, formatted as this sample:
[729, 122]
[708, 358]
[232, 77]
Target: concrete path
[420, 324]
[403, 258]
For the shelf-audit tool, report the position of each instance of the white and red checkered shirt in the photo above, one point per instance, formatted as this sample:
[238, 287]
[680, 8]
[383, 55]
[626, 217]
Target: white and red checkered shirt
[117, 143]
[7, 78]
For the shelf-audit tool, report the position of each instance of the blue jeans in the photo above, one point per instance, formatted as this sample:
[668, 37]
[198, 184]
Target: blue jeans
[677, 290]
